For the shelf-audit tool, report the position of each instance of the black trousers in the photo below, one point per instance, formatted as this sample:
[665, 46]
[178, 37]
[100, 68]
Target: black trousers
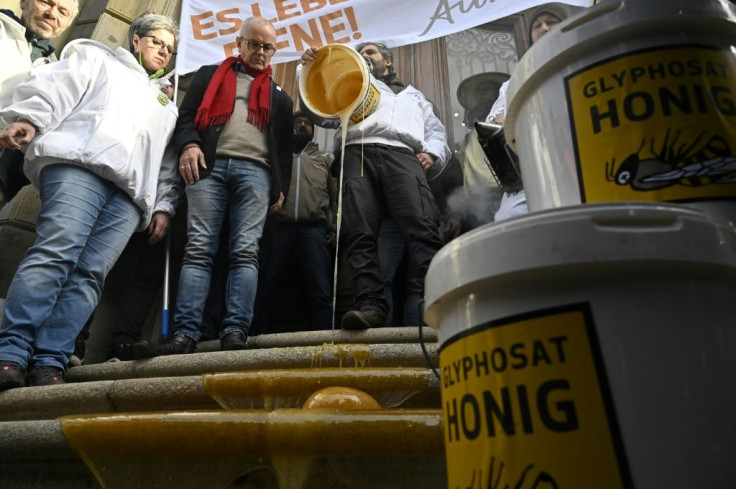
[12, 178]
[384, 181]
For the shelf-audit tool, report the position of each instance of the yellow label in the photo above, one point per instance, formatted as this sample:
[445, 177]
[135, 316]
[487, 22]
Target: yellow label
[525, 404]
[368, 105]
[656, 125]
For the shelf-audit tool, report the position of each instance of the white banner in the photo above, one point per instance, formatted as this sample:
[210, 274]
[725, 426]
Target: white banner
[209, 27]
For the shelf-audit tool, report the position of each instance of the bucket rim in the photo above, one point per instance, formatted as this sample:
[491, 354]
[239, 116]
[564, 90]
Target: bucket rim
[581, 235]
[584, 33]
[306, 69]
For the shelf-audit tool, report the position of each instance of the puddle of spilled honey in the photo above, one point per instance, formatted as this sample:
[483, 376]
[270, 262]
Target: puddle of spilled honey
[211, 449]
[273, 389]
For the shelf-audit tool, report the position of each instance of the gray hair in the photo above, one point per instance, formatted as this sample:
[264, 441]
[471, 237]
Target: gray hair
[254, 21]
[75, 9]
[383, 49]
[145, 24]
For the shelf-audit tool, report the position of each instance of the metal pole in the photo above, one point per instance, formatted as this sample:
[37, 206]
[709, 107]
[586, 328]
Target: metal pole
[167, 256]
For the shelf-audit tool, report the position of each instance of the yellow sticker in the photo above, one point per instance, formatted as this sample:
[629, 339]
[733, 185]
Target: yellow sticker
[163, 99]
[656, 125]
[526, 405]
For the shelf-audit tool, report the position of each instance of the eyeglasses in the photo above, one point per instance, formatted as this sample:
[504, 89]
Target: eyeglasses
[159, 44]
[254, 47]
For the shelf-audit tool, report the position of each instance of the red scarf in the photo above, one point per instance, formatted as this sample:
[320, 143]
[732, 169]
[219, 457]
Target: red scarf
[219, 98]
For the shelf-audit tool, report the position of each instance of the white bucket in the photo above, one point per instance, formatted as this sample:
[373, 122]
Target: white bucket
[589, 346]
[339, 81]
[630, 100]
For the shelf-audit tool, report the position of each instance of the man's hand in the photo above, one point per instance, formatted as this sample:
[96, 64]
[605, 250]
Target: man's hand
[277, 206]
[159, 226]
[16, 134]
[426, 159]
[190, 161]
[452, 229]
[309, 55]
[168, 90]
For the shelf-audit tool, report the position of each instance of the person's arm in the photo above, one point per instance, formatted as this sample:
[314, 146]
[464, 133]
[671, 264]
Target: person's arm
[187, 141]
[170, 188]
[498, 110]
[435, 140]
[52, 91]
[285, 134]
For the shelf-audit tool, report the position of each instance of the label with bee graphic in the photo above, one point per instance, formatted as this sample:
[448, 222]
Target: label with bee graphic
[657, 124]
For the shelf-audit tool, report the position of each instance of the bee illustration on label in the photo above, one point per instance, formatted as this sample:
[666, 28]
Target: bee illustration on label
[706, 161]
[543, 480]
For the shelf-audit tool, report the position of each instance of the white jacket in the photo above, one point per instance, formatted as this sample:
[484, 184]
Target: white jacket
[97, 109]
[405, 119]
[15, 58]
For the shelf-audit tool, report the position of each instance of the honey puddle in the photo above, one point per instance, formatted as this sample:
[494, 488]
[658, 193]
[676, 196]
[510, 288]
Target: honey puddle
[304, 449]
[277, 389]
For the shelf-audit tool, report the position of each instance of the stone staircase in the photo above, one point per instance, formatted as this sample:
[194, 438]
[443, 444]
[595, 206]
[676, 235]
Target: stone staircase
[128, 402]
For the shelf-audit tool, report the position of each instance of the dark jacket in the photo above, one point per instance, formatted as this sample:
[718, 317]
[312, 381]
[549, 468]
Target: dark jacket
[279, 134]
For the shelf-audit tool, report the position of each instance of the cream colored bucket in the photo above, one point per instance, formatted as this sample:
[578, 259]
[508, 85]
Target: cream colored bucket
[589, 346]
[339, 81]
[630, 100]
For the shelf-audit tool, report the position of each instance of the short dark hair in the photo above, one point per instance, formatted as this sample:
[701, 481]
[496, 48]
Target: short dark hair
[303, 114]
[383, 49]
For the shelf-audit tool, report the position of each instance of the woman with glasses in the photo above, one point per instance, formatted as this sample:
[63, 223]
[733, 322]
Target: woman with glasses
[94, 126]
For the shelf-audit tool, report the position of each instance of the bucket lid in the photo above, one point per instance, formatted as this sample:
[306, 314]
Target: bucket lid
[587, 234]
[610, 24]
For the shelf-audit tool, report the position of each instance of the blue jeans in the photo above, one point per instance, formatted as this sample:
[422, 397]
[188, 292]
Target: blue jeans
[306, 246]
[238, 189]
[84, 225]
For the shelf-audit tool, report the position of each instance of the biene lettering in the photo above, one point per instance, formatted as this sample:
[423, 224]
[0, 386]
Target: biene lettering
[499, 359]
[662, 102]
[654, 72]
[474, 416]
[209, 25]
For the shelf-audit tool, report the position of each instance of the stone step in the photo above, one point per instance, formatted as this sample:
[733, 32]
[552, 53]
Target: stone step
[205, 450]
[37, 453]
[381, 347]
[177, 383]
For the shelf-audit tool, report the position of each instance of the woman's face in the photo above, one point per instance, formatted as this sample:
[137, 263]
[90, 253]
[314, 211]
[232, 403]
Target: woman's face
[156, 49]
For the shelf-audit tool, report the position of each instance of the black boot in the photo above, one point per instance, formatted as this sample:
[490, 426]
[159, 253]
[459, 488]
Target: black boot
[363, 319]
[120, 351]
[174, 345]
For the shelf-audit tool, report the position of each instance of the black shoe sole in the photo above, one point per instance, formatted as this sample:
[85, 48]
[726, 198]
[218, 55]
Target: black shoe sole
[354, 323]
[11, 384]
[144, 349]
[43, 383]
[234, 346]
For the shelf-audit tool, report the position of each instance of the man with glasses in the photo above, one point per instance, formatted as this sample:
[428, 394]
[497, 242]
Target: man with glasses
[24, 43]
[234, 137]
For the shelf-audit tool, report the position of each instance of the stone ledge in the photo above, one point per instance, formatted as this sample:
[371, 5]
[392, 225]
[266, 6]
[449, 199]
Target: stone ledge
[50, 402]
[326, 355]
